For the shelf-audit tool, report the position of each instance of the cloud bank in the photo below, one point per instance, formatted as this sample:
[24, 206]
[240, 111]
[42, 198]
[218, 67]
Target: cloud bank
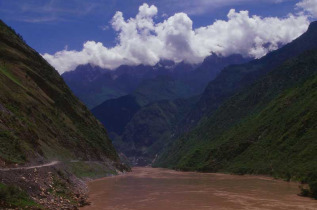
[310, 6]
[142, 41]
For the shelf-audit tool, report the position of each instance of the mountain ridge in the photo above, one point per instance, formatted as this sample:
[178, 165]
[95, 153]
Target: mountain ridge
[42, 122]
[155, 98]
[94, 85]
[267, 127]
[236, 77]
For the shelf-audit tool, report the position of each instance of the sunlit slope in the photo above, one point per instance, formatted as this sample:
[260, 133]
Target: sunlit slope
[39, 116]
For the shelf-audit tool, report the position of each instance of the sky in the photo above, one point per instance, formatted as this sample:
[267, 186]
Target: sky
[110, 33]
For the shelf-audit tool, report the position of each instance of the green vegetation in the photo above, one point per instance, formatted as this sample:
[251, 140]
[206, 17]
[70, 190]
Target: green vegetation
[13, 197]
[40, 119]
[142, 123]
[150, 129]
[115, 114]
[4, 71]
[10, 148]
[267, 128]
[39, 116]
[90, 170]
[236, 77]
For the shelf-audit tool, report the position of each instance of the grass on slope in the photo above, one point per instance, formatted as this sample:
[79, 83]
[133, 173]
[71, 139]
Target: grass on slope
[7, 73]
[39, 116]
[236, 77]
[269, 128]
[90, 170]
[13, 197]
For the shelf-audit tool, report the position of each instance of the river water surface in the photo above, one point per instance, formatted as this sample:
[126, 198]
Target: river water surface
[163, 189]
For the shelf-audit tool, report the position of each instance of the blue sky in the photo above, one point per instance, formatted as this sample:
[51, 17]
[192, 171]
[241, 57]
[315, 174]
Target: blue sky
[50, 25]
[110, 33]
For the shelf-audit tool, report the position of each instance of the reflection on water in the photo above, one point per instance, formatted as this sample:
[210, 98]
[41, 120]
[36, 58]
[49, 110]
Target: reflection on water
[156, 189]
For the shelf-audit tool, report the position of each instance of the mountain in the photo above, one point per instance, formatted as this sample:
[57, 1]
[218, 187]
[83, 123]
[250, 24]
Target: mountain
[114, 114]
[266, 127]
[209, 70]
[39, 114]
[155, 98]
[165, 81]
[236, 77]
[94, 85]
[162, 88]
[151, 128]
[42, 121]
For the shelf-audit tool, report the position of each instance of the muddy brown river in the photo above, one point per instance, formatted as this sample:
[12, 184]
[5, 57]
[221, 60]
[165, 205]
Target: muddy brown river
[163, 189]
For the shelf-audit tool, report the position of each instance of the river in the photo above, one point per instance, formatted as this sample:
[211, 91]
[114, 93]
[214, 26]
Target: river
[163, 189]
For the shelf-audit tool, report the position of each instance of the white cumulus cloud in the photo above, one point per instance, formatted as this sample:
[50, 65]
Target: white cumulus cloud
[143, 41]
[309, 6]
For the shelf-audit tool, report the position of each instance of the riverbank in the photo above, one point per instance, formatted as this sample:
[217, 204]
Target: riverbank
[155, 188]
[53, 185]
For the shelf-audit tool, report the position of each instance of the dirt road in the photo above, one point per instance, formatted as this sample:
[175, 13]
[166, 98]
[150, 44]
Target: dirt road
[31, 167]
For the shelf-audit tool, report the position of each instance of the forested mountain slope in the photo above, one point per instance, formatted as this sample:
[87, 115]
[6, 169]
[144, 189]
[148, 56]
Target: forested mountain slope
[236, 77]
[266, 128]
